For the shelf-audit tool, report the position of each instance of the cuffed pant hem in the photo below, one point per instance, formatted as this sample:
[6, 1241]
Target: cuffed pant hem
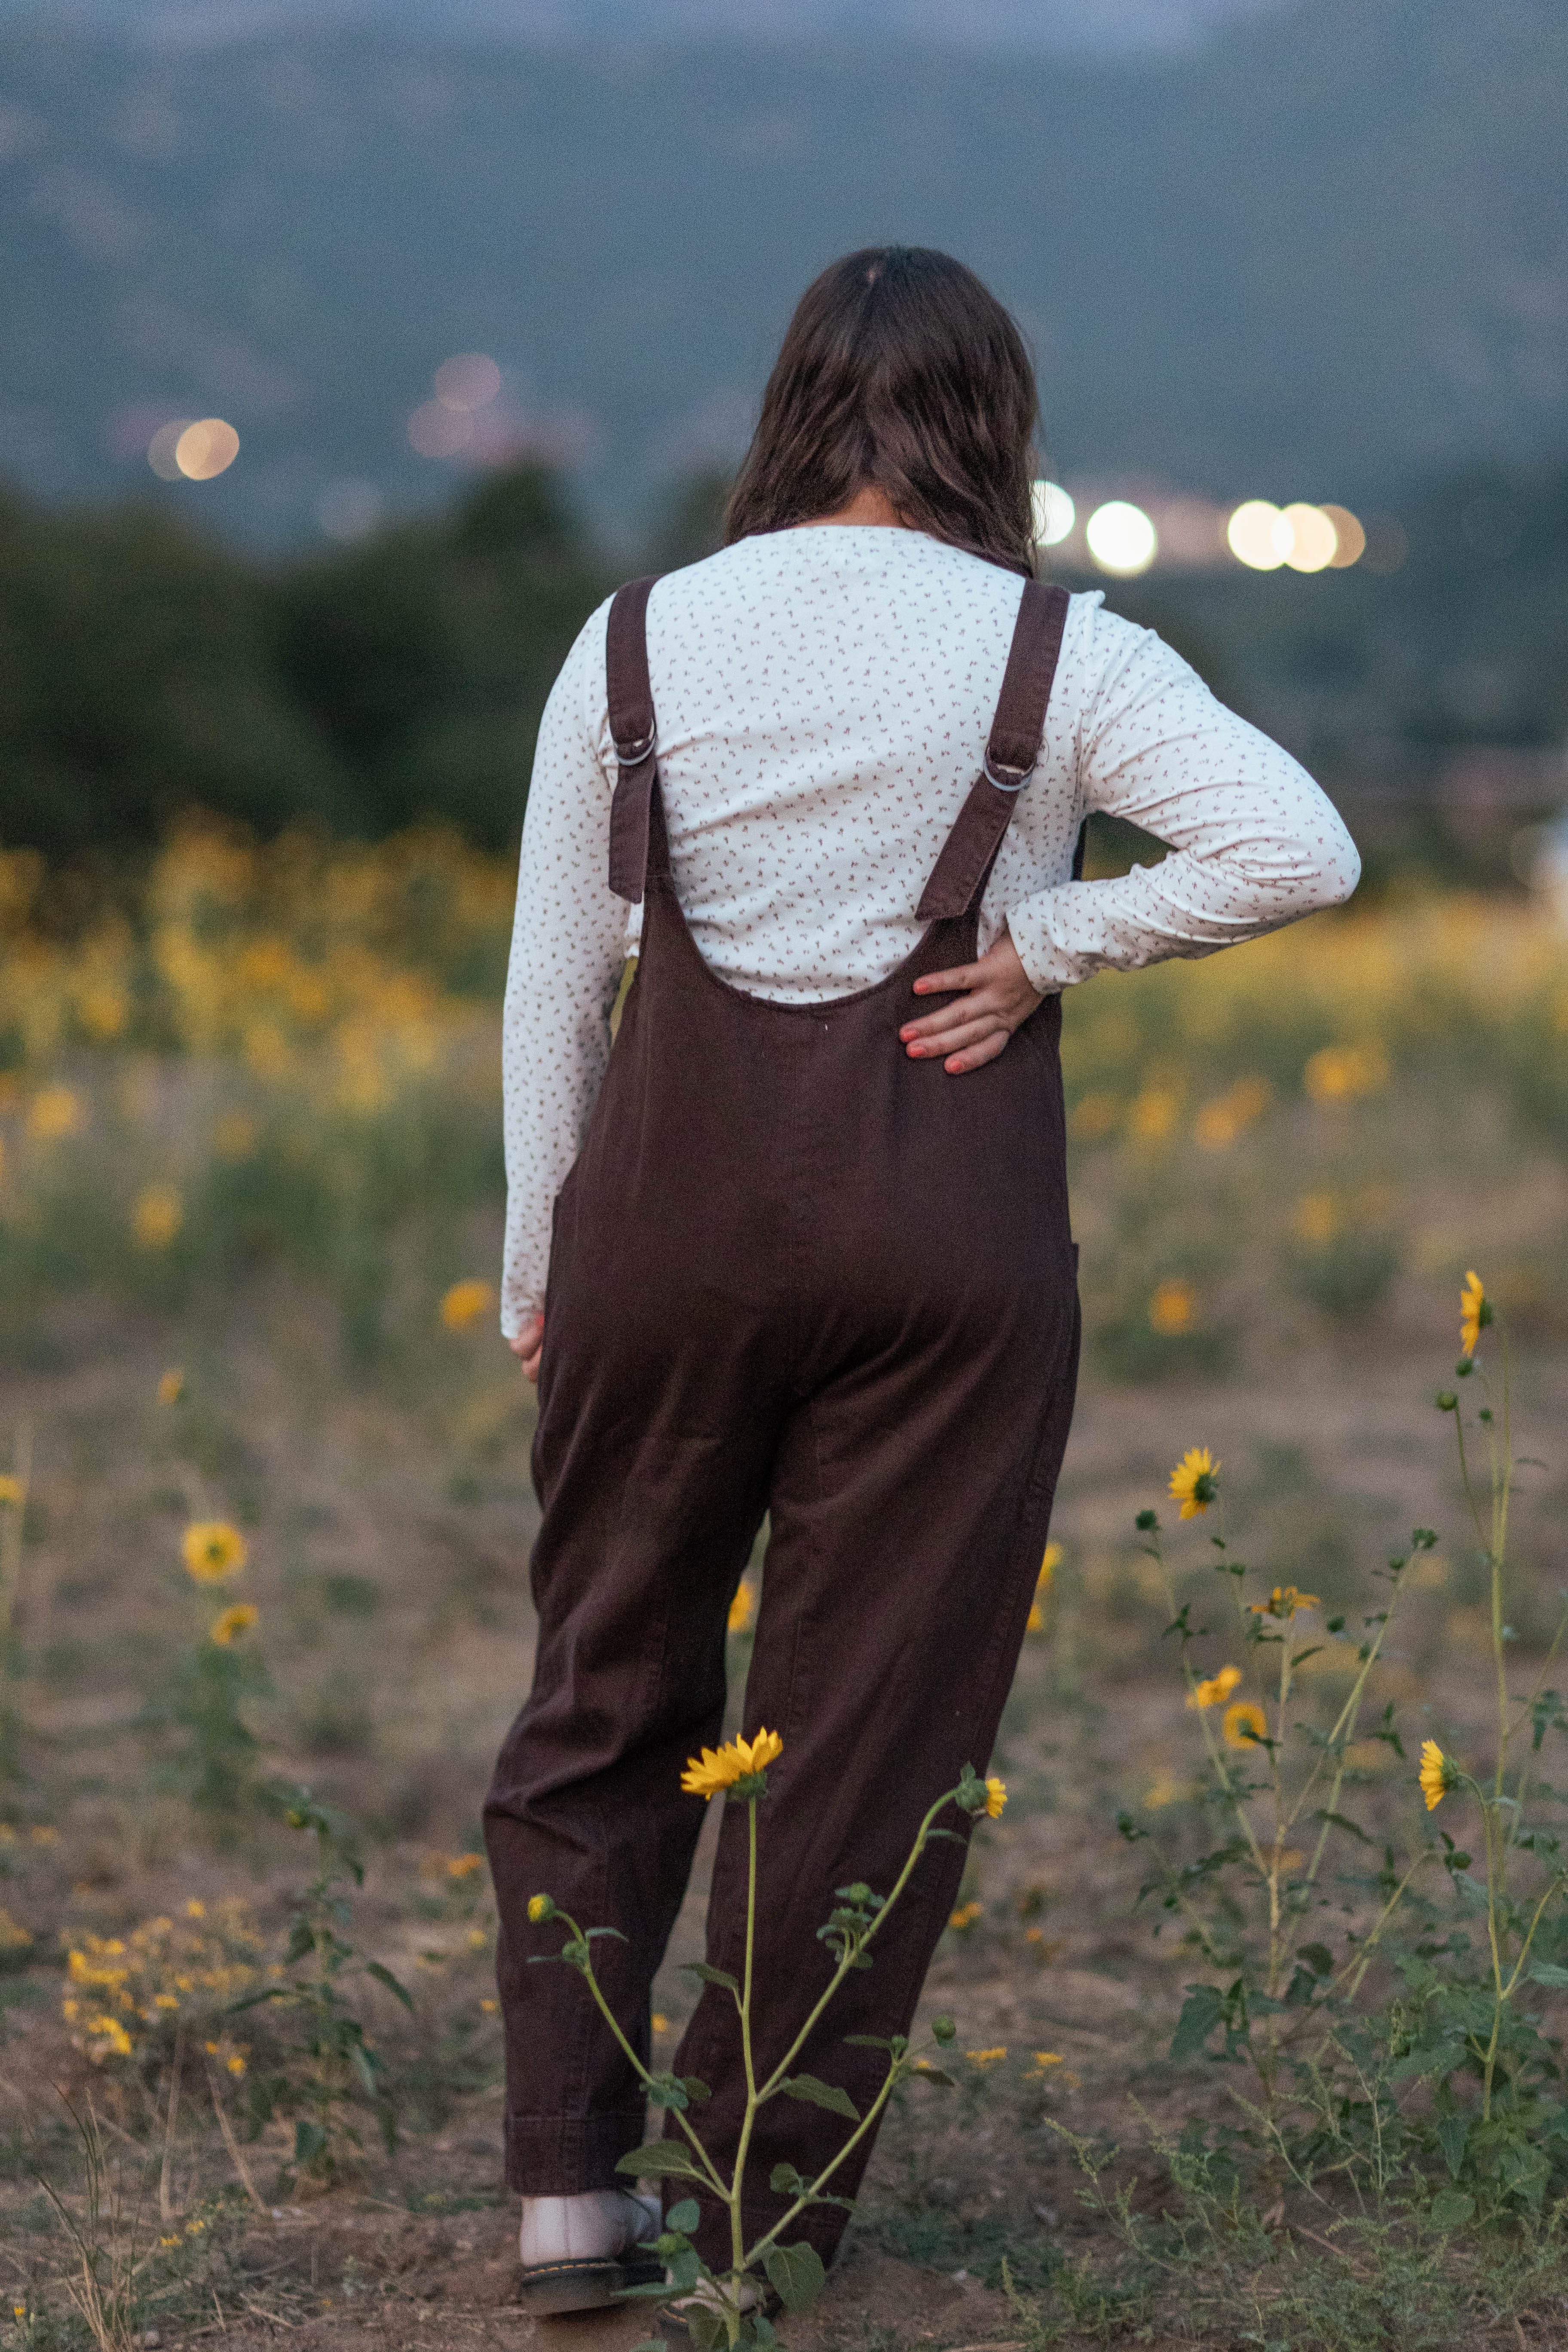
[565, 2156]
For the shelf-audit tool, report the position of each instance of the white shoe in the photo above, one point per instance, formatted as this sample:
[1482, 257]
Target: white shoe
[577, 2251]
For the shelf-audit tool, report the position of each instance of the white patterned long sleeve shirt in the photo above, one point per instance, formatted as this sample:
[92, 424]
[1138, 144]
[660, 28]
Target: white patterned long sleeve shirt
[823, 697]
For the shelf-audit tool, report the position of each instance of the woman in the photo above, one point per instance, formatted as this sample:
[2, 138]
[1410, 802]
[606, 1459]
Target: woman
[805, 1237]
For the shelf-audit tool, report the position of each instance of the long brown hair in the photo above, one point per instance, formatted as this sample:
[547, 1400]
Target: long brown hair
[899, 371]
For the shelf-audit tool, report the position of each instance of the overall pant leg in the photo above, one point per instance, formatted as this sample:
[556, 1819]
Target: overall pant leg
[652, 1496]
[910, 1508]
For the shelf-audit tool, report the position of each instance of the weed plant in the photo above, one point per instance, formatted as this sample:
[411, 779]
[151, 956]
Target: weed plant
[1383, 2007]
[719, 2309]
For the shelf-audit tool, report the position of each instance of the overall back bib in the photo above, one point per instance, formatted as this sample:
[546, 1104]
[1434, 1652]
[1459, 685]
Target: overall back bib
[794, 1272]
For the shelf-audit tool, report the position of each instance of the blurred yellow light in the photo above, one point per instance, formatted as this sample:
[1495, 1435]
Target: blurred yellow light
[161, 448]
[1055, 514]
[1259, 535]
[1121, 539]
[1350, 540]
[435, 431]
[1313, 539]
[470, 381]
[205, 449]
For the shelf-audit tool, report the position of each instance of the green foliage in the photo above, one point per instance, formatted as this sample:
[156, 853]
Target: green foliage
[218, 1765]
[330, 2061]
[149, 671]
[716, 2318]
[1394, 2077]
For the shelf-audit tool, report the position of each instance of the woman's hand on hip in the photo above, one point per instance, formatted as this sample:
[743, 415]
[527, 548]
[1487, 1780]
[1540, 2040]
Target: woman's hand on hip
[529, 1346]
[989, 999]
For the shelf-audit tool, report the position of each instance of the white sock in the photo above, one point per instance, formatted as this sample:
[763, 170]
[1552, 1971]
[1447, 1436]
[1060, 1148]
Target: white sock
[590, 2228]
[706, 2294]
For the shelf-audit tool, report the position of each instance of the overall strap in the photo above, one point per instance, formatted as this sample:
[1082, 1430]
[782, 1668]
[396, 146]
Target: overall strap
[635, 728]
[960, 872]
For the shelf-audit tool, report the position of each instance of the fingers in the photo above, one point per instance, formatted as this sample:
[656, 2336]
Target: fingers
[973, 1057]
[529, 1346]
[986, 1006]
[936, 983]
[958, 1035]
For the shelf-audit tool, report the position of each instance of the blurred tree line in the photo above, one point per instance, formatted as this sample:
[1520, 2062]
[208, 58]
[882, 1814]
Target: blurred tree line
[145, 670]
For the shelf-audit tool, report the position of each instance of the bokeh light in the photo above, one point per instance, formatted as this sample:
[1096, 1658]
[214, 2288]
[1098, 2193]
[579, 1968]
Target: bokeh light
[470, 381]
[1121, 539]
[1350, 538]
[205, 449]
[1313, 539]
[1259, 536]
[1055, 514]
[161, 449]
[438, 431]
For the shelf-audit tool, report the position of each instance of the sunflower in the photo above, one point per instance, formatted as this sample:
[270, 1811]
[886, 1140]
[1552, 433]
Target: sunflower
[156, 1216]
[236, 1619]
[1244, 1724]
[1195, 1482]
[1284, 1602]
[1474, 1313]
[214, 1550]
[743, 1606]
[995, 1796]
[1216, 1690]
[1436, 1774]
[717, 1768]
[465, 1303]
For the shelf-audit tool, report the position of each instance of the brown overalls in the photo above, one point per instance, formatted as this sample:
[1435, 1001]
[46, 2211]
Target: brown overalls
[793, 1272]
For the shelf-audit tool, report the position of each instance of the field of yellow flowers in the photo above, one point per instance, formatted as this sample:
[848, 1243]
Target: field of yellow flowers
[264, 1523]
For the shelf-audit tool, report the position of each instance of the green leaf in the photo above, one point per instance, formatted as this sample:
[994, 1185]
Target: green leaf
[818, 2093]
[1201, 2012]
[1548, 1973]
[1318, 1959]
[923, 2071]
[310, 2142]
[1451, 2209]
[694, 2087]
[784, 2181]
[712, 1975]
[684, 2217]
[866, 2041]
[708, 2329]
[1453, 2131]
[661, 2158]
[605, 1931]
[1341, 1821]
[795, 2275]
[384, 1977]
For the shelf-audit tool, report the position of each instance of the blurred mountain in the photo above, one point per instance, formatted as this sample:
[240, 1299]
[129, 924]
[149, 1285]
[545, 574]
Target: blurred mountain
[1092, 25]
[1314, 255]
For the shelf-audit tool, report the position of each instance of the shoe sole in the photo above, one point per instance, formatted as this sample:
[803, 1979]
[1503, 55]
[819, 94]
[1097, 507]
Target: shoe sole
[550, 2289]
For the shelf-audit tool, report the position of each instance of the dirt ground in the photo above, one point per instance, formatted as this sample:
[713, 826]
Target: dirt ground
[1331, 1451]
